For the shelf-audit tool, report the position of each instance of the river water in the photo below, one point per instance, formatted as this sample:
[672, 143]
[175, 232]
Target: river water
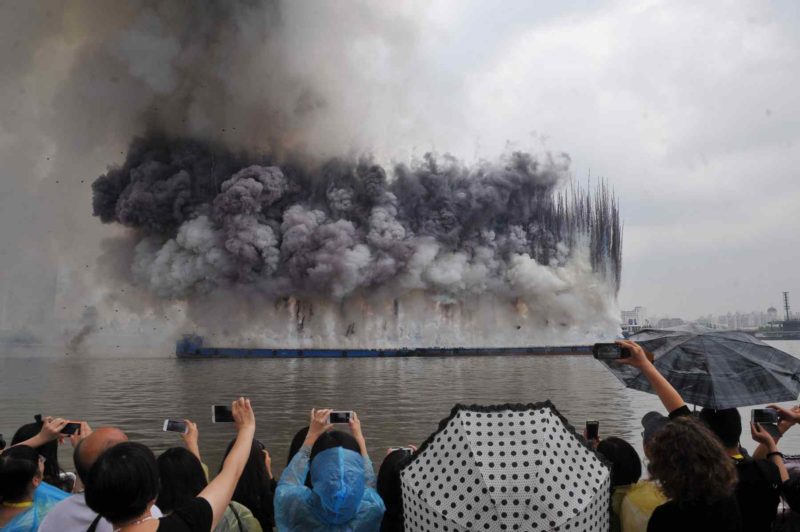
[399, 401]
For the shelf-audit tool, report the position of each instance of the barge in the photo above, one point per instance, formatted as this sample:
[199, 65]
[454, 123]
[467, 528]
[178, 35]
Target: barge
[192, 346]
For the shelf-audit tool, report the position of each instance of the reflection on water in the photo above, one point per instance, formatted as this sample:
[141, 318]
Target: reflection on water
[399, 401]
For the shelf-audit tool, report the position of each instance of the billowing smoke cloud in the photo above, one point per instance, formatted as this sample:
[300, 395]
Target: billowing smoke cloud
[236, 212]
[211, 220]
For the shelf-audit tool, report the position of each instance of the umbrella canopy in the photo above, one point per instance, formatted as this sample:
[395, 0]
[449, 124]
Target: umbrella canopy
[508, 467]
[713, 368]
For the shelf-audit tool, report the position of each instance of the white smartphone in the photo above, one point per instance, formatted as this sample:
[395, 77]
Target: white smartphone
[221, 414]
[175, 426]
[340, 416]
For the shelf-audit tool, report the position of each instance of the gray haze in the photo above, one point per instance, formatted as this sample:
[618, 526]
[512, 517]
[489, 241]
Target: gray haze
[687, 109]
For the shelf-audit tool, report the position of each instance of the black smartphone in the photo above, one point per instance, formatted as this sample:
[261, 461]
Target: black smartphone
[764, 415]
[175, 426]
[767, 419]
[406, 450]
[592, 429]
[221, 414]
[340, 416]
[73, 427]
[610, 351]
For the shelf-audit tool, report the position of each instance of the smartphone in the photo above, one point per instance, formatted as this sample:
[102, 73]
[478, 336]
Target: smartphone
[407, 450]
[592, 429]
[610, 351]
[221, 414]
[767, 419]
[73, 427]
[764, 415]
[175, 426]
[340, 416]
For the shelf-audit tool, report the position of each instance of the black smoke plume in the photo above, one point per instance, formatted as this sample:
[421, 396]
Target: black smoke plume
[209, 218]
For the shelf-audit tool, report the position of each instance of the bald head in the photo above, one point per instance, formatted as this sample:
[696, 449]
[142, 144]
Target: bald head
[92, 446]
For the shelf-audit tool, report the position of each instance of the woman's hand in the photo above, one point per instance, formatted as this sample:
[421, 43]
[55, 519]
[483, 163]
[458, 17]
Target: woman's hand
[355, 428]
[85, 431]
[318, 424]
[638, 358]
[192, 435]
[788, 417]
[762, 437]
[243, 416]
[51, 428]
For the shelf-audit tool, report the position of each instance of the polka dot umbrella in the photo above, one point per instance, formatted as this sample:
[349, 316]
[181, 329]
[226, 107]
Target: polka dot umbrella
[507, 467]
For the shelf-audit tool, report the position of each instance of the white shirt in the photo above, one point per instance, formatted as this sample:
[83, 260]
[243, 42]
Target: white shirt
[72, 514]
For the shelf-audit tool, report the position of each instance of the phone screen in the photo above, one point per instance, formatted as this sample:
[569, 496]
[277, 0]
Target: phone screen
[764, 415]
[221, 414]
[340, 417]
[592, 430]
[608, 351]
[175, 426]
[71, 428]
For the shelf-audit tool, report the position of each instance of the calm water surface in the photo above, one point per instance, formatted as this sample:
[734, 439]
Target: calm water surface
[399, 401]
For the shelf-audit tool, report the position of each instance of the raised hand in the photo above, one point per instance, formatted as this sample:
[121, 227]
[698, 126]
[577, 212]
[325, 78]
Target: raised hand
[638, 358]
[318, 424]
[243, 416]
[85, 431]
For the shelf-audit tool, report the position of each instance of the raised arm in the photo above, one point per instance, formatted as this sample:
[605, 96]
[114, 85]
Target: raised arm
[51, 430]
[768, 449]
[219, 491]
[191, 439]
[669, 396]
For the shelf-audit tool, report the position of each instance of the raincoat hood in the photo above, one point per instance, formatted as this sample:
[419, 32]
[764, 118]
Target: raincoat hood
[337, 475]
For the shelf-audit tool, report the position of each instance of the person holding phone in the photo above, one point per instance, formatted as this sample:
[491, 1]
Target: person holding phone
[124, 482]
[45, 435]
[342, 495]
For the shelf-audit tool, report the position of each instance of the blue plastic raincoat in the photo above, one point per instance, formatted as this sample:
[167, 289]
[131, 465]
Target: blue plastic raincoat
[343, 499]
[44, 498]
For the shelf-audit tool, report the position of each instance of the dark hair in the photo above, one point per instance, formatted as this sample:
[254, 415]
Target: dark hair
[627, 466]
[255, 489]
[331, 439]
[390, 489]
[725, 423]
[52, 470]
[182, 478]
[18, 467]
[297, 442]
[690, 463]
[122, 482]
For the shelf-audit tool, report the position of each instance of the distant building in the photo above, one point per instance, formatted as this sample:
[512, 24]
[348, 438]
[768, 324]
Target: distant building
[664, 323]
[634, 320]
[772, 314]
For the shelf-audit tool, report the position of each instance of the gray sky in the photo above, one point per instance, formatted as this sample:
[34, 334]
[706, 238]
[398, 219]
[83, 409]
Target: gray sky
[686, 108]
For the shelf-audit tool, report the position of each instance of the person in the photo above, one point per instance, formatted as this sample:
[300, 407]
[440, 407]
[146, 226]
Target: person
[761, 477]
[389, 487]
[25, 497]
[691, 466]
[640, 503]
[73, 514]
[45, 436]
[123, 484]
[256, 487]
[183, 478]
[342, 496]
[625, 473]
[296, 443]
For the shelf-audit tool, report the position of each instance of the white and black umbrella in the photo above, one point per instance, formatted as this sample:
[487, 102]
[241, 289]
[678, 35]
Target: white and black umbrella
[507, 467]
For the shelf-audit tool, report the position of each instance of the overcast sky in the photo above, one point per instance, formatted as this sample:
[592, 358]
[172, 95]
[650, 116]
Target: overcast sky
[688, 109]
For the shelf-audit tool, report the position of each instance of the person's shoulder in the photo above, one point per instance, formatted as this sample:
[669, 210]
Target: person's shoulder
[372, 502]
[194, 515]
[758, 471]
[71, 513]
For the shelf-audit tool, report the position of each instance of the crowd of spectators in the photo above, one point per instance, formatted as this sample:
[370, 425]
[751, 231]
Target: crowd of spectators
[698, 477]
